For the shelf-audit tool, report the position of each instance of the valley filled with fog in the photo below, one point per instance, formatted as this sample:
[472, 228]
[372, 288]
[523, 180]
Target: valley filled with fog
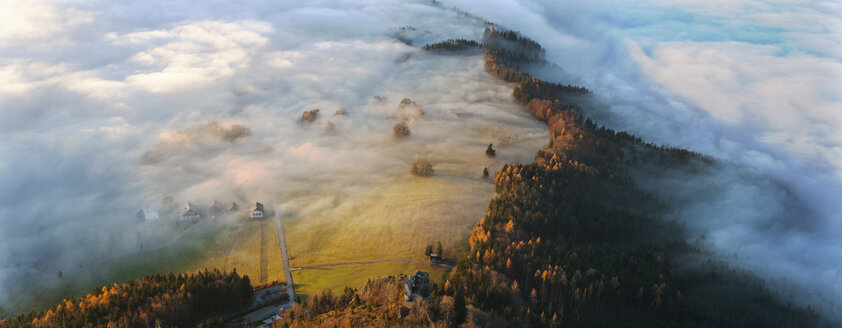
[107, 112]
[203, 110]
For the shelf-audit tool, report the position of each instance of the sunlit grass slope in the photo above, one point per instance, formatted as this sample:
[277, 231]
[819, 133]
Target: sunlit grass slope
[309, 282]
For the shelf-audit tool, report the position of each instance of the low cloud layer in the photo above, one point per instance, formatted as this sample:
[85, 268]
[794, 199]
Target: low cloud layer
[754, 83]
[105, 111]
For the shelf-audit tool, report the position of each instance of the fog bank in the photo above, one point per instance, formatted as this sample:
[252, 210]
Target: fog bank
[754, 83]
[108, 109]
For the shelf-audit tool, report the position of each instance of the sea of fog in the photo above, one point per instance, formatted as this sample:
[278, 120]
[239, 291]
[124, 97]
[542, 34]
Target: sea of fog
[755, 83]
[105, 108]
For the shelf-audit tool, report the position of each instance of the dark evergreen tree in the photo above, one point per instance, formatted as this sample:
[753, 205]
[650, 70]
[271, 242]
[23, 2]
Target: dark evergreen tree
[490, 152]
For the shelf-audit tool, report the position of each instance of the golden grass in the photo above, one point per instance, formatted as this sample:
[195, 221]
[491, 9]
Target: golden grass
[311, 281]
[393, 221]
[242, 249]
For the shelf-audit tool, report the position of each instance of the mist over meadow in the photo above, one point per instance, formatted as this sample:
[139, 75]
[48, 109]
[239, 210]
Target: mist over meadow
[105, 109]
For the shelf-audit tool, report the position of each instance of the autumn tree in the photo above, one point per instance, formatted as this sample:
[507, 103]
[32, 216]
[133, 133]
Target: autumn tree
[422, 168]
[310, 116]
[401, 130]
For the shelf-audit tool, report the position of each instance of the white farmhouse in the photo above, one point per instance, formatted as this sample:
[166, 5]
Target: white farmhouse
[256, 210]
[189, 212]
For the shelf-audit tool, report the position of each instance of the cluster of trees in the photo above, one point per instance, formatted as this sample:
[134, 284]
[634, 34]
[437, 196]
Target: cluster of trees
[380, 303]
[438, 250]
[235, 132]
[453, 45]
[503, 38]
[310, 116]
[406, 102]
[401, 130]
[170, 300]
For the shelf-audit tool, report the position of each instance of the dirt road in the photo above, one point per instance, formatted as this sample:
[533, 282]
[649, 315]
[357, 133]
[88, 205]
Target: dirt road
[285, 256]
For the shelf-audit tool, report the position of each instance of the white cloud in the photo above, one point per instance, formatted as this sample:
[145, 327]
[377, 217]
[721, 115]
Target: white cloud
[195, 54]
[27, 21]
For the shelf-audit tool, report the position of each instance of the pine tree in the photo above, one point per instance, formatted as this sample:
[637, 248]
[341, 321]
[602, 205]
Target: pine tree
[460, 307]
[490, 152]
[439, 249]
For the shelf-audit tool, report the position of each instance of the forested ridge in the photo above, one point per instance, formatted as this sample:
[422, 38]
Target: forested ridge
[171, 300]
[568, 240]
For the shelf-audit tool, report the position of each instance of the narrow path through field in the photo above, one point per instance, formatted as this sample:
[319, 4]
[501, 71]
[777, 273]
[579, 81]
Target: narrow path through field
[446, 265]
[284, 255]
[264, 256]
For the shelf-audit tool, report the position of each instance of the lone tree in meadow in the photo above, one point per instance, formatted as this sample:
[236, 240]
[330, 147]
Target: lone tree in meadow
[422, 168]
[406, 102]
[401, 130]
[310, 116]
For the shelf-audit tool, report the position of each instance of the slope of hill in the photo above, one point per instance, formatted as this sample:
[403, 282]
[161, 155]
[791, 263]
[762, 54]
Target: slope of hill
[568, 240]
[158, 300]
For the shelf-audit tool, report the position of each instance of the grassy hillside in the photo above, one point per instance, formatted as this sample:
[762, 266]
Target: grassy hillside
[248, 246]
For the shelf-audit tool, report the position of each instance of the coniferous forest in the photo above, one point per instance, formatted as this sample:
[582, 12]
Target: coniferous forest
[171, 300]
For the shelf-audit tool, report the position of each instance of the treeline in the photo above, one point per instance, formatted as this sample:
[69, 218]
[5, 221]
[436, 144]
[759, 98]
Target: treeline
[566, 242]
[563, 233]
[172, 300]
[453, 45]
[503, 38]
[380, 303]
[505, 62]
